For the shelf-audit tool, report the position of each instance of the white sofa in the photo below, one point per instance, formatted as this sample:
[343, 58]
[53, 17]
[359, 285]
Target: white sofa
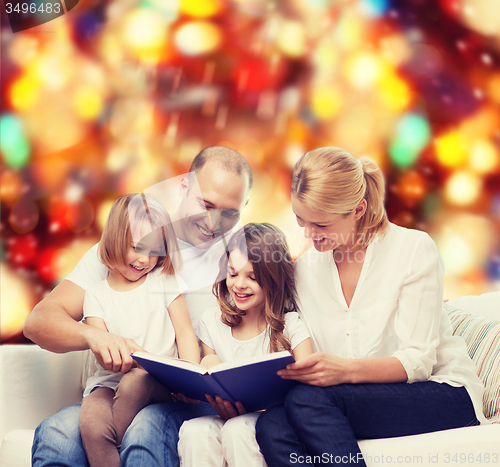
[34, 384]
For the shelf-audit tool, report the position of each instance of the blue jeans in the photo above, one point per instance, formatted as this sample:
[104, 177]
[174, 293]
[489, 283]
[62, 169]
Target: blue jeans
[326, 422]
[151, 439]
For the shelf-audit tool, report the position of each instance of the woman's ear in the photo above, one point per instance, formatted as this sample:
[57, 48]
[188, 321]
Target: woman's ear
[360, 209]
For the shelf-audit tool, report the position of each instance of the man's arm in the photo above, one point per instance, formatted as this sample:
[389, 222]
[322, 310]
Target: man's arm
[54, 322]
[54, 325]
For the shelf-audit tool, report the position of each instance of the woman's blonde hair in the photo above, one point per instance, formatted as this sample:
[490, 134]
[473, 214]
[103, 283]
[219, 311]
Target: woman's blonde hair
[330, 180]
[267, 250]
[129, 214]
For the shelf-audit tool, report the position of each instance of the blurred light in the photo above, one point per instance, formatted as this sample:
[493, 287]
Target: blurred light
[464, 241]
[16, 303]
[494, 88]
[197, 38]
[10, 185]
[412, 135]
[23, 49]
[53, 124]
[88, 102]
[22, 250]
[13, 143]
[396, 49]
[462, 188]
[103, 213]
[24, 92]
[201, 9]
[356, 128]
[45, 267]
[325, 102]
[363, 70]
[80, 215]
[145, 34]
[481, 16]
[412, 187]
[63, 262]
[169, 9]
[293, 152]
[53, 70]
[394, 92]
[325, 56]
[24, 215]
[73, 193]
[374, 8]
[292, 39]
[350, 30]
[451, 149]
[483, 157]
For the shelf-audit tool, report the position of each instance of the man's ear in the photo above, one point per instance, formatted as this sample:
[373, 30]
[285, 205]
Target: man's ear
[360, 209]
[183, 189]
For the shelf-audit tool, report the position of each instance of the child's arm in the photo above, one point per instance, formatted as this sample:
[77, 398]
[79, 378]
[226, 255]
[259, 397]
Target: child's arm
[303, 350]
[210, 358]
[187, 344]
[97, 322]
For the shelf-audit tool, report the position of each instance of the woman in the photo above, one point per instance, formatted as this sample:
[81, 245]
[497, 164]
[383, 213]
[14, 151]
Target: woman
[370, 293]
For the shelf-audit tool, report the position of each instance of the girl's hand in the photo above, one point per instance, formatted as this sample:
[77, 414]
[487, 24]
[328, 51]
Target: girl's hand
[224, 408]
[182, 398]
[319, 369]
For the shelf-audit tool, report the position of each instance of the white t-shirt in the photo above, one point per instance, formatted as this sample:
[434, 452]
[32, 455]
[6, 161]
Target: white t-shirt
[199, 271]
[396, 310]
[140, 314]
[219, 336]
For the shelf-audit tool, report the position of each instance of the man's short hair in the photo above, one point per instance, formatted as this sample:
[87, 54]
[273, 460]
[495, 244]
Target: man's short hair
[227, 158]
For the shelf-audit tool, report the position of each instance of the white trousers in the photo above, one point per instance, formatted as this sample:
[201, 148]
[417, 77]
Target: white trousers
[209, 441]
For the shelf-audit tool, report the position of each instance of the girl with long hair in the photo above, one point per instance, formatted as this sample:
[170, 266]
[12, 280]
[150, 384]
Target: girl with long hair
[257, 314]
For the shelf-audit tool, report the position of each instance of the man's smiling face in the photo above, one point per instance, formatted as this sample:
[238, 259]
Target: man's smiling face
[211, 206]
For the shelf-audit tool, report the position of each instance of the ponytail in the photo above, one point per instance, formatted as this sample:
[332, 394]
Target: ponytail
[374, 221]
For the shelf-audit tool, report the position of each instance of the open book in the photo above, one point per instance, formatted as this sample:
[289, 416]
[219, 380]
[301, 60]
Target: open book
[252, 381]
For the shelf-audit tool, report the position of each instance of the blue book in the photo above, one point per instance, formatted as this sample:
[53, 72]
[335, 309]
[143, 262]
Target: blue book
[252, 381]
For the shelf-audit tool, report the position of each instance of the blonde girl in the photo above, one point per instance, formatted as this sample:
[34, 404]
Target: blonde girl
[256, 315]
[140, 300]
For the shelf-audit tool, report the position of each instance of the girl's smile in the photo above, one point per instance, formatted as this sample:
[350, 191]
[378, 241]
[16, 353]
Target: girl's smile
[247, 294]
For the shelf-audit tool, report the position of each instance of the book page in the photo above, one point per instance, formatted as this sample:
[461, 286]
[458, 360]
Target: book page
[248, 361]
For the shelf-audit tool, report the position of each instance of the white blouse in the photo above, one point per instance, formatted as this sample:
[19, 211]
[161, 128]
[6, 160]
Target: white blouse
[396, 310]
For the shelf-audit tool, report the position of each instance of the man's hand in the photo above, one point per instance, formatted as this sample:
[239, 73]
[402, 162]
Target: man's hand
[224, 408]
[111, 351]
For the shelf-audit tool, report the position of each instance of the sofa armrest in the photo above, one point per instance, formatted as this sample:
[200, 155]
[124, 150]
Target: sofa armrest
[35, 384]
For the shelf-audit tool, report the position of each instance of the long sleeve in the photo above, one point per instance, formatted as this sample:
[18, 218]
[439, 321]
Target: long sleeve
[418, 318]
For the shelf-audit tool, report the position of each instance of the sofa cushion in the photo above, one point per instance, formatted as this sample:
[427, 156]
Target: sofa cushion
[486, 305]
[16, 448]
[482, 336]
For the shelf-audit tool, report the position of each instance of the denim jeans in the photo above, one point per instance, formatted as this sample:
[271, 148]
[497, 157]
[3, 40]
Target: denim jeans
[151, 439]
[325, 422]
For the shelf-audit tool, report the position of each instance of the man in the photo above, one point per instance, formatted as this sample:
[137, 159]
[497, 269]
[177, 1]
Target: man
[208, 209]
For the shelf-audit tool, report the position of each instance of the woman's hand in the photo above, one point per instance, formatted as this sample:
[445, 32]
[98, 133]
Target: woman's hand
[319, 369]
[224, 408]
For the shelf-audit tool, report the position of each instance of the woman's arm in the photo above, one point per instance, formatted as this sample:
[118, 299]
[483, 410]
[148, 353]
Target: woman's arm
[187, 344]
[320, 369]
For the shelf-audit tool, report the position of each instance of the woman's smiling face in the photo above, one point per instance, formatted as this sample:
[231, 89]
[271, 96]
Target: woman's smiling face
[328, 231]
